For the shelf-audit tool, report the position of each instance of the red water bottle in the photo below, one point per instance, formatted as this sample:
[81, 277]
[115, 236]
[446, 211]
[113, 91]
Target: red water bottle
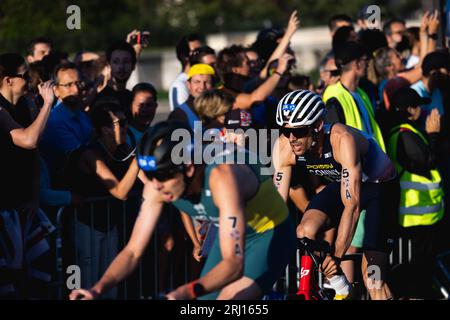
[305, 290]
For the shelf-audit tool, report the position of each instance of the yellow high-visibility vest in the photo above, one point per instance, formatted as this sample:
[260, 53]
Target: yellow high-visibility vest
[421, 198]
[351, 111]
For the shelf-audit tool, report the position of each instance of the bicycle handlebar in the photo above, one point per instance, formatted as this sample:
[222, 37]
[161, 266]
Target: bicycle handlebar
[323, 247]
[313, 245]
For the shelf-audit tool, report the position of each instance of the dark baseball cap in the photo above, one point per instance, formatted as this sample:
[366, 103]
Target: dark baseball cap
[238, 119]
[407, 97]
[347, 52]
[392, 86]
[435, 60]
[364, 13]
[372, 40]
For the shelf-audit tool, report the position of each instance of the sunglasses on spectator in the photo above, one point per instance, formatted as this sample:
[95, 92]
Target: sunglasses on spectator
[25, 76]
[333, 72]
[296, 132]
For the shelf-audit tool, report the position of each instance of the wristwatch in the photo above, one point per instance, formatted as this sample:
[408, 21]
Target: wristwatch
[198, 289]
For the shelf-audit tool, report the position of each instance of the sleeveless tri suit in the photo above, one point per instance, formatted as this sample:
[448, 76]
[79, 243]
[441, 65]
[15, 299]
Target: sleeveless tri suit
[377, 169]
[270, 239]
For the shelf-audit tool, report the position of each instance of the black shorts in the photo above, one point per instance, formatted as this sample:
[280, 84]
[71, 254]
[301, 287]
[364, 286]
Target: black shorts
[329, 201]
[301, 177]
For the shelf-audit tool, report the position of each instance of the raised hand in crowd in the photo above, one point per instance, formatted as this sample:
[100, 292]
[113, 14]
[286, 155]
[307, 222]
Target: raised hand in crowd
[46, 92]
[433, 23]
[424, 22]
[139, 40]
[291, 28]
[433, 122]
[293, 23]
[283, 63]
[429, 28]
[103, 79]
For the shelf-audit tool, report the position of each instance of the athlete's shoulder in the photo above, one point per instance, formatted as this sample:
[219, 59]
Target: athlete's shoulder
[220, 175]
[343, 137]
[226, 178]
[339, 129]
[223, 170]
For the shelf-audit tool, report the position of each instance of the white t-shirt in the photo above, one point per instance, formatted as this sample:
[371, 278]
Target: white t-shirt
[178, 92]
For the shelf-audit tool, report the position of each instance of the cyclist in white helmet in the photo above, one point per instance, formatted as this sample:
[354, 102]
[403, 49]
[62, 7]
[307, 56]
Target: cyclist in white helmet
[355, 167]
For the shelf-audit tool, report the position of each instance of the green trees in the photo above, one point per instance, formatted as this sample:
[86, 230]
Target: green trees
[104, 21]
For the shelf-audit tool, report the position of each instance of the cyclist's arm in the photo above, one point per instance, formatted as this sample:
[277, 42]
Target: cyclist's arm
[350, 192]
[282, 160]
[299, 197]
[127, 260]
[228, 197]
[142, 177]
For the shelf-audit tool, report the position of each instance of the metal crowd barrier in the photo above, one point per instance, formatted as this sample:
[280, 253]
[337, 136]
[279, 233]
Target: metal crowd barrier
[145, 282]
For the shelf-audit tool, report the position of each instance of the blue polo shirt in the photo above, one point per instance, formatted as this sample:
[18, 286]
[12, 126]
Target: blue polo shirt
[66, 131]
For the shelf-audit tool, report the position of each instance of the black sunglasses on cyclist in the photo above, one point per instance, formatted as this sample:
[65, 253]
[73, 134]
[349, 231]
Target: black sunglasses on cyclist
[162, 175]
[296, 132]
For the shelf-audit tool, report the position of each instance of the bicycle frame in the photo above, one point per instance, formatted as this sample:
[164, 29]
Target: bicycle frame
[310, 283]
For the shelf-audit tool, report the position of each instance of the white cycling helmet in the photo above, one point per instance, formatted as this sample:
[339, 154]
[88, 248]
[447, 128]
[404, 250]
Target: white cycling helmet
[300, 108]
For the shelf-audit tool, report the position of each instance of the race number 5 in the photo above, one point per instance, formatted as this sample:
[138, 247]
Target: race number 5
[279, 176]
[345, 173]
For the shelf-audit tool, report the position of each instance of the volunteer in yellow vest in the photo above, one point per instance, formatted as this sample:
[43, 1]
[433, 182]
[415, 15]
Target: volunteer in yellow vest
[421, 204]
[346, 102]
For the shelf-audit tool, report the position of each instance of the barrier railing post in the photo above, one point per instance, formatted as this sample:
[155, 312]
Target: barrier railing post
[108, 231]
[124, 211]
[92, 253]
[156, 263]
[58, 251]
